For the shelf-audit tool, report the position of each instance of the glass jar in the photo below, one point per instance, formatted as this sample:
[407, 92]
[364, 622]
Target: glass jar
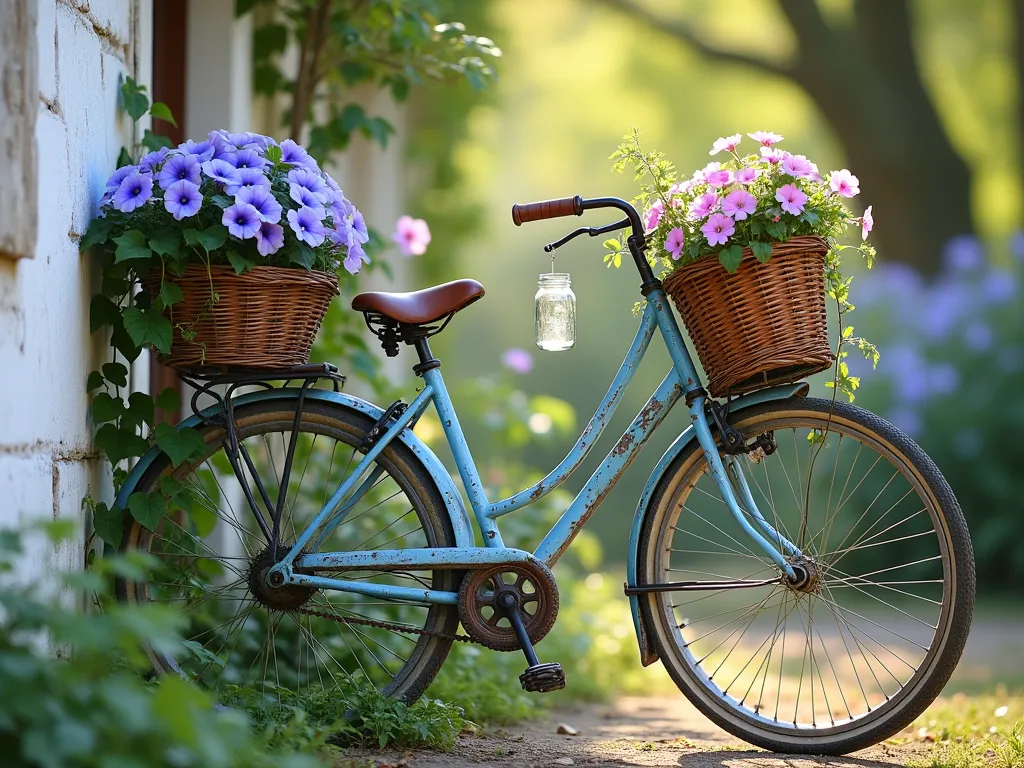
[555, 312]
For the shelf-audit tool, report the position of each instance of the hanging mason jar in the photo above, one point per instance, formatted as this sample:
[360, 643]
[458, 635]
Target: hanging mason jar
[555, 312]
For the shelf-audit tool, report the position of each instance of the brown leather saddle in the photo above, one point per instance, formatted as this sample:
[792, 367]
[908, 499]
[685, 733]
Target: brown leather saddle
[408, 316]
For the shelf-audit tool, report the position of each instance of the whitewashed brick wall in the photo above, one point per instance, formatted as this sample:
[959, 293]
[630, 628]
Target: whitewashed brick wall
[47, 465]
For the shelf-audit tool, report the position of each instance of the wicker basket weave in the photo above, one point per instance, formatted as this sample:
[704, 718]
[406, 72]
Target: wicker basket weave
[762, 326]
[265, 318]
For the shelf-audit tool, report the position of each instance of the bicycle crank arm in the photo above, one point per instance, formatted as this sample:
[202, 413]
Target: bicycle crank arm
[695, 586]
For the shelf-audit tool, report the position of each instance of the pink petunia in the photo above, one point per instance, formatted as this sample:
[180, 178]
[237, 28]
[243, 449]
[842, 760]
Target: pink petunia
[674, 243]
[844, 183]
[715, 175]
[792, 199]
[746, 175]
[703, 205]
[726, 144]
[518, 360]
[739, 204]
[680, 189]
[797, 166]
[412, 236]
[773, 156]
[653, 215]
[867, 221]
[718, 229]
[765, 138]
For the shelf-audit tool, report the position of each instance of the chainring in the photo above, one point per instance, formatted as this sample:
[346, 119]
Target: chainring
[536, 600]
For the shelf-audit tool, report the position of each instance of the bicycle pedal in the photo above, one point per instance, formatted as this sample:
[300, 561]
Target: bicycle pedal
[543, 678]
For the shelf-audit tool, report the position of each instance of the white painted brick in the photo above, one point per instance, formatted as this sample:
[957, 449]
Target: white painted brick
[46, 36]
[112, 16]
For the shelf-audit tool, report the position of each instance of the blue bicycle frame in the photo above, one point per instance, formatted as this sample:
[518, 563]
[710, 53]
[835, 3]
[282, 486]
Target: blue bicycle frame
[681, 381]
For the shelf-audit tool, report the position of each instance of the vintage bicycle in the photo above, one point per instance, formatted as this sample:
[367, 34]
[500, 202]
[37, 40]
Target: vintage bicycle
[799, 566]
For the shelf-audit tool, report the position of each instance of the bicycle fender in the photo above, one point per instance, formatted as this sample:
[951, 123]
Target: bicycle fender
[450, 493]
[647, 653]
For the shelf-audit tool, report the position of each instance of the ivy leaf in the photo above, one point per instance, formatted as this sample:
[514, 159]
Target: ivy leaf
[178, 444]
[756, 227]
[762, 251]
[119, 444]
[810, 217]
[124, 158]
[131, 245]
[208, 239]
[170, 294]
[223, 201]
[97, 233]
[303, 256]
[123, 343]
[165, 242]
[141, 405]
[95, 381]
[168, 400]
[106, 408]
[731, 257]
[273, 154]
[776, 229]
[240, 263]
[161, 111]
[147, 508]
[108, 524]
[116, 374]
[149, 327]
[154, 141]
[102, 311]
[133, 96]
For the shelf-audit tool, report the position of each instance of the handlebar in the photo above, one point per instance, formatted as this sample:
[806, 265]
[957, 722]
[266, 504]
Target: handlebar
[547, 209]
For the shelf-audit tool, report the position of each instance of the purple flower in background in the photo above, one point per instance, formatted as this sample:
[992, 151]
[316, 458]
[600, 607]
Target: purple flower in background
[222, 148]
[201, 151]
[263, 201]
[222, 171]
[944, 309]
[703, 205]
[306, 179]
[134, 190]
[963, 253]
[179, 168]
[773, 156]
[247, 178]
[765, 138]
[518, 360]
[944, 378]
[306, 199]
[153, 158]
[715, 176]
[355, 259]
[906, 419]
[746, 175]
[119, 175]
[242, 220]
[247, 158]
[998, 286]
[306, 225]
[412, 235]
[907, 369]
[978, 336]
[182, 198]
[362, 234]
[1010, 359]
[269, 238]
[293, 154]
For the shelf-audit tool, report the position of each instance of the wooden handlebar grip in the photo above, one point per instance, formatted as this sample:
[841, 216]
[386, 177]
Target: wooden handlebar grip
[547, 209]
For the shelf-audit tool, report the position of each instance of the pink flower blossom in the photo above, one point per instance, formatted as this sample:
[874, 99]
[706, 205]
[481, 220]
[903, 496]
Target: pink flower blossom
[680, 189]
[792, 199]
[715, 176]
[867, 221]
[674, 243]
[653, 215]
[412, 236]
[797, 166]
[844, 183]
[718, 229]
[773, 156]
[739, 204]
[518, 360]
[746, 175]
[725, 144]
[765, 138]
[703, 205]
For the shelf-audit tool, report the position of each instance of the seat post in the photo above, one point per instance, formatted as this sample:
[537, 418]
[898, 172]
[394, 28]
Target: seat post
[427, 360]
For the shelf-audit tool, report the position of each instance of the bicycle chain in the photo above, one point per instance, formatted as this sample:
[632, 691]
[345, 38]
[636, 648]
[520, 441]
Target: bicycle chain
[389, 625]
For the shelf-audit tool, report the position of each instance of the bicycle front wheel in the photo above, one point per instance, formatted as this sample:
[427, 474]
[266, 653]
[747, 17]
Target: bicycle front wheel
[211, 554]
[860, 648]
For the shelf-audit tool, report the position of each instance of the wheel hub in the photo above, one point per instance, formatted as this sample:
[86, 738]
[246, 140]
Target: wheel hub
[807, 576]
[287, 598]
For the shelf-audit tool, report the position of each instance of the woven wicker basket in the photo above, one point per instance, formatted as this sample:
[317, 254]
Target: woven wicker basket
[265, 318]
[762, 326]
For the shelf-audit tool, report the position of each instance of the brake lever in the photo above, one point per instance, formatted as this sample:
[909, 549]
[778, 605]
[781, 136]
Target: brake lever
[592, 231]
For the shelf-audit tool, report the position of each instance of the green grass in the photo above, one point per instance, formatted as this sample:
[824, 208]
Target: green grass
[971, 731]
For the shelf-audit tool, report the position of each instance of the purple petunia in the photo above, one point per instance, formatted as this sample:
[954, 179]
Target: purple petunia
[247, 158]
[263, 201]
[201, 151]
[269, 238]
[182, 199]
[242, 220]
[358, 225]
[306, 199]
[293, 154]
[179, 168]
[154, 157]
[306, 225]
[306, 179]
[355, 259]
[222, 171]
[134, 190]
[119, 175]
[247, 177]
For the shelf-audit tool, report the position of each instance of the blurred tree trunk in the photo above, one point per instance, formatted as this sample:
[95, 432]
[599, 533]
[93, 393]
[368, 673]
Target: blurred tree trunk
[866, 81]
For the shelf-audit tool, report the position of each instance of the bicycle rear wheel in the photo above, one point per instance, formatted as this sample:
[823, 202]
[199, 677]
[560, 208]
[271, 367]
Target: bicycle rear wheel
[858, 651]
[210, 552]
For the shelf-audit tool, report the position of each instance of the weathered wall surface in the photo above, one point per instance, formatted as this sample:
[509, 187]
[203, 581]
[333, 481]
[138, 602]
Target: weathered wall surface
[84, 48]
